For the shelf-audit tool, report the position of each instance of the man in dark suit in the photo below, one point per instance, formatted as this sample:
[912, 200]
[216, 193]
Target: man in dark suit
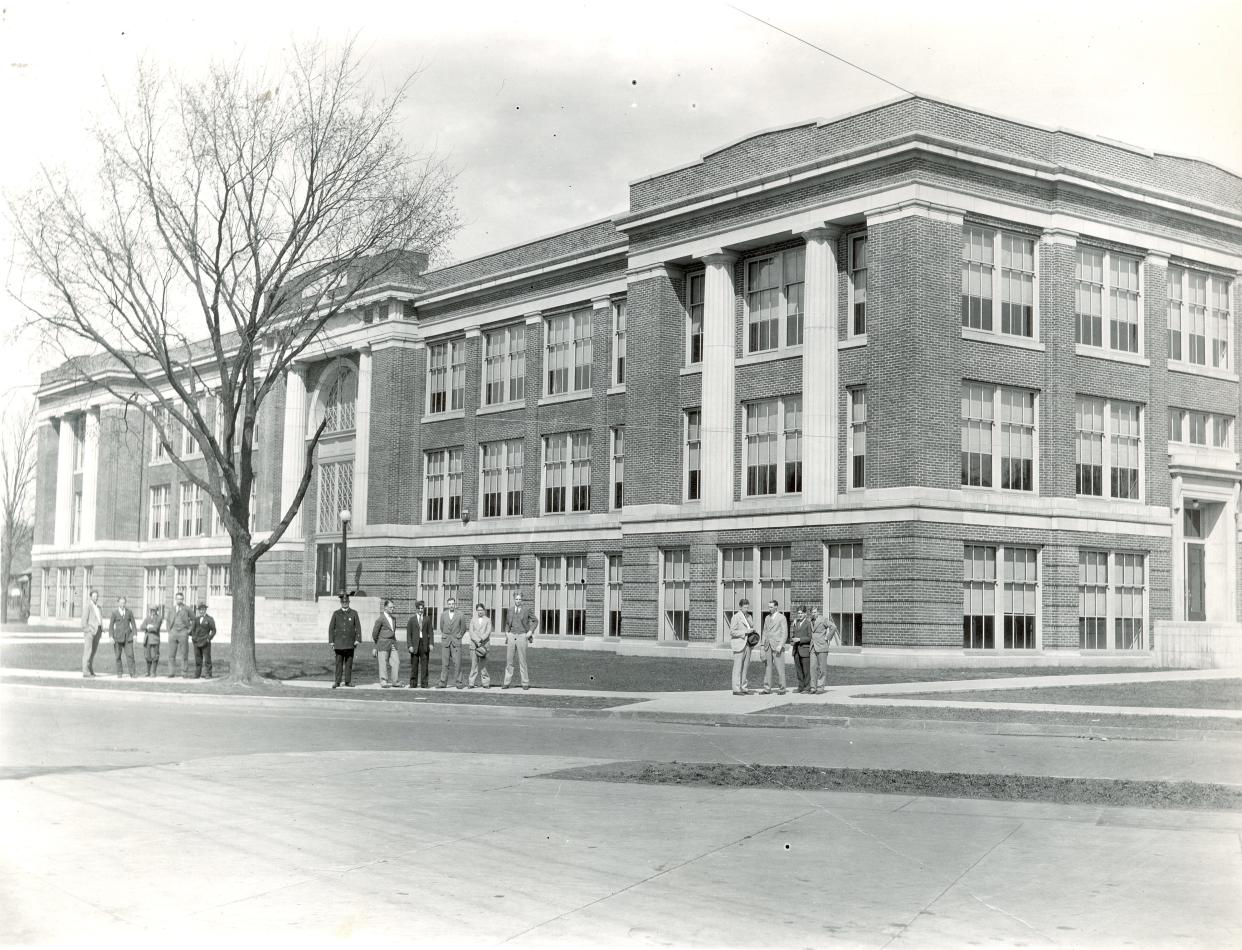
[202, 632]
[419, 632]
[122, 626]
[452, 629]
[344, 635]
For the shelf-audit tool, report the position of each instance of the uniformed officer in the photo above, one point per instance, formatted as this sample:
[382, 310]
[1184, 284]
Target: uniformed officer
[344, 635]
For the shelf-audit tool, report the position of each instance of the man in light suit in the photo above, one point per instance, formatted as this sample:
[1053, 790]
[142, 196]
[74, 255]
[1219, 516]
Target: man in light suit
[823, 631]
[478, 638]
[452, 629]
[344, 635]
[740, 628]
[419, 634]
[92, 630]
[179, 636]
[122, 626]
[384, 634]
[774, 640]
[519, 633]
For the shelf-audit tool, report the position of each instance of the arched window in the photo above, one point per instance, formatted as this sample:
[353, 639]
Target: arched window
[339, 408]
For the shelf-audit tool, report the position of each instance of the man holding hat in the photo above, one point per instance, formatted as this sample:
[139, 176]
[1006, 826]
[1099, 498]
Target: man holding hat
[344, 635]
[201, 634]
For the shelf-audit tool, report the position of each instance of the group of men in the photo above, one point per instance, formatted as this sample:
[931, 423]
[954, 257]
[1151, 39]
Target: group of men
[185, 628]
[811, 638]
[456, 634]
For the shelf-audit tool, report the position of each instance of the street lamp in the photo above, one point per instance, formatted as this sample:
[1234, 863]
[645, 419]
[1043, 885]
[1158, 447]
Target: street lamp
[345, 516]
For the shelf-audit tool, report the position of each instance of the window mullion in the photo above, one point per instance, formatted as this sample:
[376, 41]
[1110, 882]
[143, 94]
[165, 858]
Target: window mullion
[1110, 613]
[997, 304]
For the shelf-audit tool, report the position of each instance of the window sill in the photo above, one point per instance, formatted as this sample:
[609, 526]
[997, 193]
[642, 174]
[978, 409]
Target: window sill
[768, 356]
[1001, 339]
[694, 369]
[1117, 356]
[500, 407]
[443, 416]
[618, 390]
[851, 342]
[1194, 369]
[564, 397]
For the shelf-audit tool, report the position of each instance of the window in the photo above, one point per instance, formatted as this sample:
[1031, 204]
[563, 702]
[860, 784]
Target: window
[843, 576]
[185, 582]
[437, 583]
[79, 442]
[1201, 428]
[191, 510]
[65, 601]
[774, 446]
[1112, 591]
[618, 343]
[1108, 447]
[694, 456]
[568, 355]
[675, 594]
[158, 454]
[1198, 313]
[446, 377]
[1013, 283]
[774, 288]
[618, 467]
[858, 286]
[1018, 600]
[75, 524]
[336, 493]
[857, 448]
[497, 582]
[776, 579]
[501, 478]
[159, 526]
[219, 580]
[504, 365]
[567, 472]
[153, 588]
[443, 484]
[561, 594]
[738, 579]
[694, 319]
[189, 444]
[1102, 276]
[340, 405]
[1001, 455]
[614, 594]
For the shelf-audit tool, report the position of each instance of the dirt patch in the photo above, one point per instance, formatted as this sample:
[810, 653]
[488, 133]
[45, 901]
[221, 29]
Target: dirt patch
[992, 786]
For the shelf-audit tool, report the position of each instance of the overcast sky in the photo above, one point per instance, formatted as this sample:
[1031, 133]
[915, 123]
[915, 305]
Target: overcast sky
[549, 110]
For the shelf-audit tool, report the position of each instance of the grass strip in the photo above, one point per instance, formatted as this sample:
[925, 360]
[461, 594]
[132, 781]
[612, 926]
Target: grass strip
[992, 786]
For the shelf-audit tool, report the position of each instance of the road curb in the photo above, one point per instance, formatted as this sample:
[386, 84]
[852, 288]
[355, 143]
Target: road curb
[757, 720]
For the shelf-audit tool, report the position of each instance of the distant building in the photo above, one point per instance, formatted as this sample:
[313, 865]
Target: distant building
[970, 383]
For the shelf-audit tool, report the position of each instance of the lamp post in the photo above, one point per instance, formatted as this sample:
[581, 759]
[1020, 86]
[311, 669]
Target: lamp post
[345, 516]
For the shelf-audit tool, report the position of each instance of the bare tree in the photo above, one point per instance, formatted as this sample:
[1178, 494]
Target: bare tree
[232, 218]
[18, 455]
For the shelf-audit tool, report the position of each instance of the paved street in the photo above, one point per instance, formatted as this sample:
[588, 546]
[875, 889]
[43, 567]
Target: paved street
[431, 824]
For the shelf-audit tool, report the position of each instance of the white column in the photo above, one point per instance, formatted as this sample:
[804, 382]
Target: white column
[362, 438]
[717, 409]
[293, 449]
[90, 475]
[64, 483]
[820, 396]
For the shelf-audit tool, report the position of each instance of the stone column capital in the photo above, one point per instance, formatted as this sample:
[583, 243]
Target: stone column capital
[720, 257]
[822, 232]
[1059, 236]
[1156, 259]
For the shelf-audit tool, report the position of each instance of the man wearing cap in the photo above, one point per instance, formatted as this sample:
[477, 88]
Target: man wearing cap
[92, 630]
[384, 633]
[202, 633]
[419, 632]
[452, 629]
[179, 637]
[344, 635]
[122, 626]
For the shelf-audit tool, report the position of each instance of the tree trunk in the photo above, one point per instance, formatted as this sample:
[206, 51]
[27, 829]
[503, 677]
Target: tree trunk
[244, 668]
[4, 577]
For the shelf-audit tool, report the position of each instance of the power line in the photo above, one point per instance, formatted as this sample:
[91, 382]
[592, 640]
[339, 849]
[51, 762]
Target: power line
[841, 59]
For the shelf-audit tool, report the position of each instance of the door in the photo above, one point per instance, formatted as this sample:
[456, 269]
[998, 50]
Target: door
[1196, 608]
[327, 569]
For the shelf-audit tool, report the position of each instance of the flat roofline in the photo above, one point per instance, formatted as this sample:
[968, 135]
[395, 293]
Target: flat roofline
[527, 243]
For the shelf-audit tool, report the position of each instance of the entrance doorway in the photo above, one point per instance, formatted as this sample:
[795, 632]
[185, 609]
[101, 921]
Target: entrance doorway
[327, 568]
[1196, 563]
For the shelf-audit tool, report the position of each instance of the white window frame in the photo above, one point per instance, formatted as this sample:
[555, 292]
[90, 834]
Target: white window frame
[454, 375]
[445, 482]
[756, 594]
[328, 520]
[219, 580]
[616, 468]
[75, 523]
[1112, 591]
[506, 456]
[580, 351]
[436, 595]
[185, 582]
[512, 376]
[854, 583]
[685, 454]
[154, 579]
[507, 571]
[997, 443]
[785, 263]
[852, 242]
[783, 436]
[189, 445]
[1105, 347]
[698, 279]
[158, 455]
[666, 632]
[998, 584]
[1184, 361]
[1107, 463]
[1214, 424]
[619, 320]
[158, 501]
[563, 563]
[190, 510]
[79, 442]
[854, 425]
[567, 464]
[995, 239]
[614, 594]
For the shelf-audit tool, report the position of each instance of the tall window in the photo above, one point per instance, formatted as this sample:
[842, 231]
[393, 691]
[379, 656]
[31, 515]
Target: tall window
[336, 492]
[504, 365]
[614, 594]
[774, 290]
[443, 484]
[843, 576]
[501, 478]
[1015, 603]
[1018, 598]
[618, 467]
[497, 581]
[1092, 600]
[568, 355]
[446, 376]
[185, 582]
[618, 343]
[978, 598]
[1106, 280]
[1218, 322]
[191, 510]
[776, 579]
[857, 448]
[342, 398]
[1192, 427]
[158, 453]
[737, 580]
[1004, 454]
[858, 285]
[66, 603]
[551, 593]
[153, 588]
[437, 583]
[1108, 447]
[219, 580]
[159, 520]
[562, 594]
[759, 574]
[983, 283]
[694, 319]
[694, 455]
[79, 442]
[774, 446]
[1112, 590]
[675, 593]
[575, 595]
[75, 525]
[1199, 318]
[567, 472]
